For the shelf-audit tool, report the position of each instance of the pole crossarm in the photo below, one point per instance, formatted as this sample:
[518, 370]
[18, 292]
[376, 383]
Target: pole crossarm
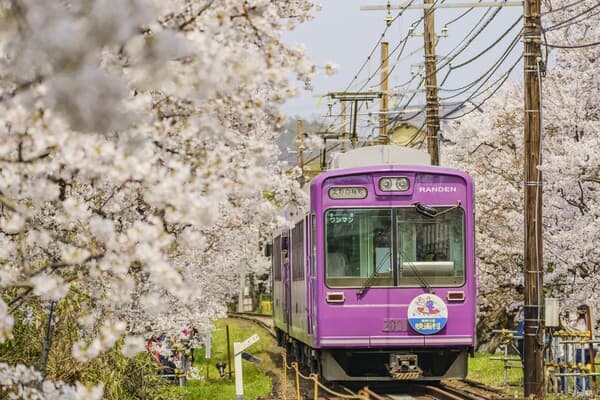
[421, 6]
[352, 96]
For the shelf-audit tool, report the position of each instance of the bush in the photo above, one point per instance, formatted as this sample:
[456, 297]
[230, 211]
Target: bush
[123, 378]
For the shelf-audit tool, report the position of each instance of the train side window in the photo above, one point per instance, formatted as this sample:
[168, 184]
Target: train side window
[284, 249]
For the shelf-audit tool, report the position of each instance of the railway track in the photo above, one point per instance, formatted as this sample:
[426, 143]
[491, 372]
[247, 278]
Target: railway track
[447, 390]
[262, 320]
[451, 389]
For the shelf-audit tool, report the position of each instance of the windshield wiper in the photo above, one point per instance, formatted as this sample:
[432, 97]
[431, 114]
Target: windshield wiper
[419, 276]
[431, 212]
[367, 285]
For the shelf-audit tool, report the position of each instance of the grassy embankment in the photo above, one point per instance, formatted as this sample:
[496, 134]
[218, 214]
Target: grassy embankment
[258, 384]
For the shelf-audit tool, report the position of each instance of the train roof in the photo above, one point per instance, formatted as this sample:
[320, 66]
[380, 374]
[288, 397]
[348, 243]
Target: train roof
[379, 155]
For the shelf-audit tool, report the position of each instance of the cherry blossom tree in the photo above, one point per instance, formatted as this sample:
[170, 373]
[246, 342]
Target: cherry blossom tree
[490, 147]
[137, 143]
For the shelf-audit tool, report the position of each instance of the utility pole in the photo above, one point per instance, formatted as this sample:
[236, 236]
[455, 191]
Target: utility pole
[431, 90]
[432, 107]
[533, 366]
[354, 98]
[383, 119]
[300, 139]
[343, 127]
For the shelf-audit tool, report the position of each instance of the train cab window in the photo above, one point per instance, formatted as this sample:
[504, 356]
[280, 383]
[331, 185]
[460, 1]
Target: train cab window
[430, 249]
[384, 247]
[358, 247]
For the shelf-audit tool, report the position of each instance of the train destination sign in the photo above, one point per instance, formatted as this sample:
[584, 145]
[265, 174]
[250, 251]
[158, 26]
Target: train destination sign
[427, 314]
[347, 192]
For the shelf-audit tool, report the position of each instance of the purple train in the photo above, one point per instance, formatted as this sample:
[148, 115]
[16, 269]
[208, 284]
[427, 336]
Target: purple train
[377, 281]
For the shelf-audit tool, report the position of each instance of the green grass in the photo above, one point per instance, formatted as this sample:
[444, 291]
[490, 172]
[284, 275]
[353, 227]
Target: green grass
[256, 383]
[257, 378]
[484, 369]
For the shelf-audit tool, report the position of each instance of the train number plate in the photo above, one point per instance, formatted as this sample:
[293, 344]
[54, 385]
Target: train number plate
[391, 325]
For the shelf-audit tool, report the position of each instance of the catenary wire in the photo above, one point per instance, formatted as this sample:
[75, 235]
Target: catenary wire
[560, 24]
[490, 71]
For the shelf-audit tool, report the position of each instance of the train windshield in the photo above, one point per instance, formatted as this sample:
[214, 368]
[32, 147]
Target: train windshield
[386, 247]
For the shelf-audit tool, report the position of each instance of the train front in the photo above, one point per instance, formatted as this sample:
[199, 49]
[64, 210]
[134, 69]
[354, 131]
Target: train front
[395, 286]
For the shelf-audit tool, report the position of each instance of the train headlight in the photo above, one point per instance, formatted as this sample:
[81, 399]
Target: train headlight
[385, 184]
[394, 184]
[402, 184]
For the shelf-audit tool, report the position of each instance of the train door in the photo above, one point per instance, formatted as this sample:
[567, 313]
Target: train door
[311, 272]
[286, 296]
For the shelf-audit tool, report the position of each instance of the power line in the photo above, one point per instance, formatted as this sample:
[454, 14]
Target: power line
[489, 72]
[489, 47]
[559, 25]
[475, 32]
[580, 46]
[375, 47]
[402, 43]
[503, 79]
[478, 30]
[562, 8]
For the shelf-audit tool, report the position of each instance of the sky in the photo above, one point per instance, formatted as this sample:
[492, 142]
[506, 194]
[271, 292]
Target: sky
[344, 34]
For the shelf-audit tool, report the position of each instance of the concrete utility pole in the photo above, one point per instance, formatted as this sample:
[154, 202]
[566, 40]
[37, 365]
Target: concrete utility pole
[383, 119]
[431, 90]
[533, 366]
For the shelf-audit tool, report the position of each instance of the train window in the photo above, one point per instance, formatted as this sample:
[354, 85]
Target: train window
[430, 250]
[383, 247]
[276, 259]
[297, 251]
[358, 247]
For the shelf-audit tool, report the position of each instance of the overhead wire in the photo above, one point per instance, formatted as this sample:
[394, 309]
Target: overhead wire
[401, 43]
[387, 27]
[561, 8]
[579, 46]
[560, 24]
[503, 79]
[483, 21]
[567, 23]
[478, 29]
[365, 63]
[493, 68]
[462, 46]
[470, 40]
[447, 60]
[490, 46]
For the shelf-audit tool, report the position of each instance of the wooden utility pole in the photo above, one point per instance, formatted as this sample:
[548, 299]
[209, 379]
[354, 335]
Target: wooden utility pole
[383, 119]
[300, 139]
[354, 98]
[533, 366]
[431, 90]
[343, 128]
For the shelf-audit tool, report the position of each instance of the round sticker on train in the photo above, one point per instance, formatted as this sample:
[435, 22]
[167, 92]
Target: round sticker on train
[427, 314]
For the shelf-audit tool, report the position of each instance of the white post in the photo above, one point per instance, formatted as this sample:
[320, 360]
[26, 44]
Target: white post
[238, 348]
[242, 291]
[239, 380]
